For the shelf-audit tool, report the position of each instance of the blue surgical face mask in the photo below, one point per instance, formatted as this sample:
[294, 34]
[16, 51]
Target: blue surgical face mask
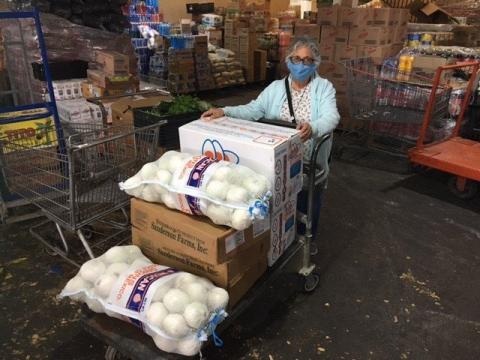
[301, 72]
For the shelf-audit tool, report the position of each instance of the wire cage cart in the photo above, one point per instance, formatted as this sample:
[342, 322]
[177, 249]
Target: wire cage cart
[127, 342]
[74, 180]
[454, 155]
[391, 105]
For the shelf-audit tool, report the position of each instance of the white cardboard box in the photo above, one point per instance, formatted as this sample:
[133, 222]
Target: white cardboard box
[273, 151]
[79, 111]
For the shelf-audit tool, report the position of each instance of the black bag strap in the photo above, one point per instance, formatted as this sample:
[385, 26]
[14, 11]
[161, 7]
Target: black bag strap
[289, 99]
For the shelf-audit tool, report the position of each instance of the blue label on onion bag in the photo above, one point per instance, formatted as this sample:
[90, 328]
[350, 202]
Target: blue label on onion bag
[295, 169]
[194, 180]
[137, 298]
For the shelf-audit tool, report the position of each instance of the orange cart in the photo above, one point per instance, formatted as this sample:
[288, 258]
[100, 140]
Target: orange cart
[454, 155]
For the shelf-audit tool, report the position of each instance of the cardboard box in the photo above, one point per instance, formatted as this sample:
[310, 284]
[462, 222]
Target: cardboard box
[311, 31]
[378, 53]
[369, 36]
[383, 17]
[215, 37]
[334, 35]
[269, 150]
[220, 274]
[101, 79]
[240, 285]
[327, 52]
[332, 71]
[122, 108]
[113, 63]
[67, 89]
[345, 52]
[328, 15]
[355, 17]
[194, 236]
[427, 65]
[79, 111]
[260, 65]
[403, 16]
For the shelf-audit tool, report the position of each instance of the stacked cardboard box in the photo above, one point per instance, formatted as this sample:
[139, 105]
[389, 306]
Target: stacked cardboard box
[348, 33]
[109, 75]
[311, 31]
[269, 150]
[203, 69]
[181, 67]
[231, 259]
[79, 111]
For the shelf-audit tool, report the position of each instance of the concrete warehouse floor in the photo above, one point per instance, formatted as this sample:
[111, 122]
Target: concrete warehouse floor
[399, 263]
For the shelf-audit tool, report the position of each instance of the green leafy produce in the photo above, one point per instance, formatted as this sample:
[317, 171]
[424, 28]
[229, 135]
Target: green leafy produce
[181, 105]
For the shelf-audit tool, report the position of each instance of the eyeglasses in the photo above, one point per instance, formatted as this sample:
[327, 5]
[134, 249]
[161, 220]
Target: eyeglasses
[297, 60]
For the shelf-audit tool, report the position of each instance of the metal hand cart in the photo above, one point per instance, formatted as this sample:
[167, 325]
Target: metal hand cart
[389, 106]
[454, 155]
[74, 180]
[127, 342]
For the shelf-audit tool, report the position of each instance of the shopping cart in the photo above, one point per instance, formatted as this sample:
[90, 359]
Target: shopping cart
[454, 155]
[127, 342]
[390, 105]
[74, 181]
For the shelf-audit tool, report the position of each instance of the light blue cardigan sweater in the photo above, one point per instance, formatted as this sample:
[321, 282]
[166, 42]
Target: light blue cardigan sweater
[269, 104]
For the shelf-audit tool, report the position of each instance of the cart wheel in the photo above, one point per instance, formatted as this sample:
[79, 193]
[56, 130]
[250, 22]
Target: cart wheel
[112, 354]
[88, 232]
[311, 282]
[313, 249]
[469, 191]
[415, 168]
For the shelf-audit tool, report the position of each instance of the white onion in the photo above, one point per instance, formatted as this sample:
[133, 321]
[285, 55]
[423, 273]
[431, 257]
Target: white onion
[256, 186]
[116, 254]
[241, 220]
[148, 171]
[239, 174]
[77, 283]
[133, 252]
[217, 299]
[206, 283]
[197, 292]
[217, 189]
[94, 305]
[150, 193]
[196, 314]
[175, 326]
[184, 279]
[156, 313]
[222, 173]
[169, 200]
[220, 215]
[117, 268]
[175, 301]
[160, 292]
[237, 194]
[175, 162]
[92, 269]
[189, 347]
[104, 284]
[140, 263]
[165, 344]
[164, 176]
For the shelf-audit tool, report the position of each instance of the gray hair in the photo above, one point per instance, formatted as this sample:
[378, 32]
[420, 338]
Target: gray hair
[305, 42]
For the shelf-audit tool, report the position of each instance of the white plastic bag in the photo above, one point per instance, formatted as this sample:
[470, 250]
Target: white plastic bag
[177, 309]
[228, 194]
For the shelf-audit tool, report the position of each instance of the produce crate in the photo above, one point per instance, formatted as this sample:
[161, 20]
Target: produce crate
[168, 136]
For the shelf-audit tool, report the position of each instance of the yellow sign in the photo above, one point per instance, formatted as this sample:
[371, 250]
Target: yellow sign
[30, 133]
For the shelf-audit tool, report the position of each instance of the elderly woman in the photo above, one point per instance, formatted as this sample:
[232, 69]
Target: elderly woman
[311, 105]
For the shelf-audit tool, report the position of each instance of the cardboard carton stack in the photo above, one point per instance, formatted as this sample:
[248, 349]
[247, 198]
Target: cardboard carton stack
[203, 69]
[232, 259]
[268, 150]
[181, 67]
[109, 75]
[351, 32]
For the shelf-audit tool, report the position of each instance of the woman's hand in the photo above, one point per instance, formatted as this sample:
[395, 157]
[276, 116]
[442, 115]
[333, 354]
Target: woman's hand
[305, 131]
[212, 114]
